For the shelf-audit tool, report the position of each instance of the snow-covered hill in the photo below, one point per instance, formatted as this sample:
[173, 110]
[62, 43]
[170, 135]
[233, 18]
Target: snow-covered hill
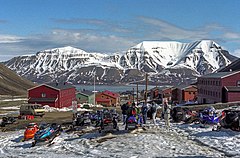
[166, 62]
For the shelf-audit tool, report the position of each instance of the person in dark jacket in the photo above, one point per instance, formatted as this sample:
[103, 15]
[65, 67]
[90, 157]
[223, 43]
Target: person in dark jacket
[144, 111]
[124, 109]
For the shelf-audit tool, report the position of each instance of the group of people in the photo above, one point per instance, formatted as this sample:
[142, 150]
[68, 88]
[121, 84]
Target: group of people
[129, 109]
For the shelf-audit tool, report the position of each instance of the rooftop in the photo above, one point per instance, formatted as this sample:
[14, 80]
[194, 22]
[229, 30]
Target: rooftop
[60, 86]
[232, 88]
[220, 74]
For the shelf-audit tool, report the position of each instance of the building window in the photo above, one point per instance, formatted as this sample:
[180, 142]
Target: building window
[43, 95]
[238, 83]
[189, 92]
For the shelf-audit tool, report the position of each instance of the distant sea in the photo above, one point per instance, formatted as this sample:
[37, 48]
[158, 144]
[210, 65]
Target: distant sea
[113, 88]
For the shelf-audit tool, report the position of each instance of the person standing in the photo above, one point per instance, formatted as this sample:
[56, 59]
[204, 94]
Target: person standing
[167, 110]
[154, 112]
[124, 109]
[144, 111]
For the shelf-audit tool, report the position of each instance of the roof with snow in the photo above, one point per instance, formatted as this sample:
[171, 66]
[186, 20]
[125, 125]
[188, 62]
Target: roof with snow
[57, 86]
[232, 88]
[220, 74]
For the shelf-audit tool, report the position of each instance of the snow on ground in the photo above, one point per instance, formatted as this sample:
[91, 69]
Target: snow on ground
[226, 140]
[10, 108]
[51, 109]
[14, 99]
[182, 140]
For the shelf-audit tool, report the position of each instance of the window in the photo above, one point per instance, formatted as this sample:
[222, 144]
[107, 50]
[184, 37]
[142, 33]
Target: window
[238, 83]
[43, 95]
[189, 92]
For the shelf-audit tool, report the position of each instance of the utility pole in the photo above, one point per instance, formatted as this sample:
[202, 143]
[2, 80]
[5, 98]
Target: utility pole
[137, 93]
[133, 94]
[94, 91]
[146, 79]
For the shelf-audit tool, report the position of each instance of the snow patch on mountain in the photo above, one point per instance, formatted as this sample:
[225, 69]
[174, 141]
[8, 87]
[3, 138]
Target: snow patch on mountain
[165, 59]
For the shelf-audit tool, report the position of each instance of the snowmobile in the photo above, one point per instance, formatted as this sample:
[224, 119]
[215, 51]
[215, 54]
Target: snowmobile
[93, 117]
[107, 122]
[230, 119]
[115, 115]
[179, 114]
[134, 122]
[82, 119]
[7, 120]
[30, 131]
[46, 134]
[209, 117]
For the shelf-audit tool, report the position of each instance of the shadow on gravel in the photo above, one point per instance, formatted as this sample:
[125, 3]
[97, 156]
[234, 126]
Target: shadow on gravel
[17, 140]
[28, 145]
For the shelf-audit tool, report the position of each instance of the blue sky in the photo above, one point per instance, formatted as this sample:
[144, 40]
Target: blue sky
[28, 26]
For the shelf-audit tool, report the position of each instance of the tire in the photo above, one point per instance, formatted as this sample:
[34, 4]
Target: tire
[196, 121]
[33, 144]
[126, 127]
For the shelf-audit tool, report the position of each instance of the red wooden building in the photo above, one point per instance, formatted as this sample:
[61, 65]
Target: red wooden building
[55, 95]
[219, 87]
[186, 94]
[170, 94]
[108, 98]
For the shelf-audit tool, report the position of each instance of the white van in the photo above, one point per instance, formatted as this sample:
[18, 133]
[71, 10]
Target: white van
[32, 109]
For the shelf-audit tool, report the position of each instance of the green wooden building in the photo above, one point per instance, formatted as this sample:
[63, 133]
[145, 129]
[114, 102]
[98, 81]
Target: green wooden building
[85, 96]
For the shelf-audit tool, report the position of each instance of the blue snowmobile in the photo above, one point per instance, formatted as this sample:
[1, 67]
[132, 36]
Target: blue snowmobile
[46, 134]
[209, 117]
[133, 122]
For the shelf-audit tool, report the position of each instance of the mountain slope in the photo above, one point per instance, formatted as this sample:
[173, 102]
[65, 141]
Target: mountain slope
[166, 63]
[11, 83]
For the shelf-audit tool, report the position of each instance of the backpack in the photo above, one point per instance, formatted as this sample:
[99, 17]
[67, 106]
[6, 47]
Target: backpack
[134, 112]
[153, 108]
[144, 109]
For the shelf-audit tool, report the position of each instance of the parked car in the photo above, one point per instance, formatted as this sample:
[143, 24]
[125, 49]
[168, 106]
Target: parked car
[32, 109]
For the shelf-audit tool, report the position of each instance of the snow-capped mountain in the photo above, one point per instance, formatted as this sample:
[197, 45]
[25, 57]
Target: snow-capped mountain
[202, 56]
[166, 62]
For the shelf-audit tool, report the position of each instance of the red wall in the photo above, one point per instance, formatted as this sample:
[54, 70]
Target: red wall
[50, 93]
[189, 97]
[213, 93]
[233, 96]
[65, 97]
[231, 80]
[37, 92]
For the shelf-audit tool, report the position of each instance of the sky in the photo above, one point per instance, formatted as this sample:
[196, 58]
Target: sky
[109, 26]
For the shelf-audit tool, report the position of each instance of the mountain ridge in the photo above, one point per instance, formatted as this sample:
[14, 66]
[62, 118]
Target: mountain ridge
[13, 84]
[161, 59]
